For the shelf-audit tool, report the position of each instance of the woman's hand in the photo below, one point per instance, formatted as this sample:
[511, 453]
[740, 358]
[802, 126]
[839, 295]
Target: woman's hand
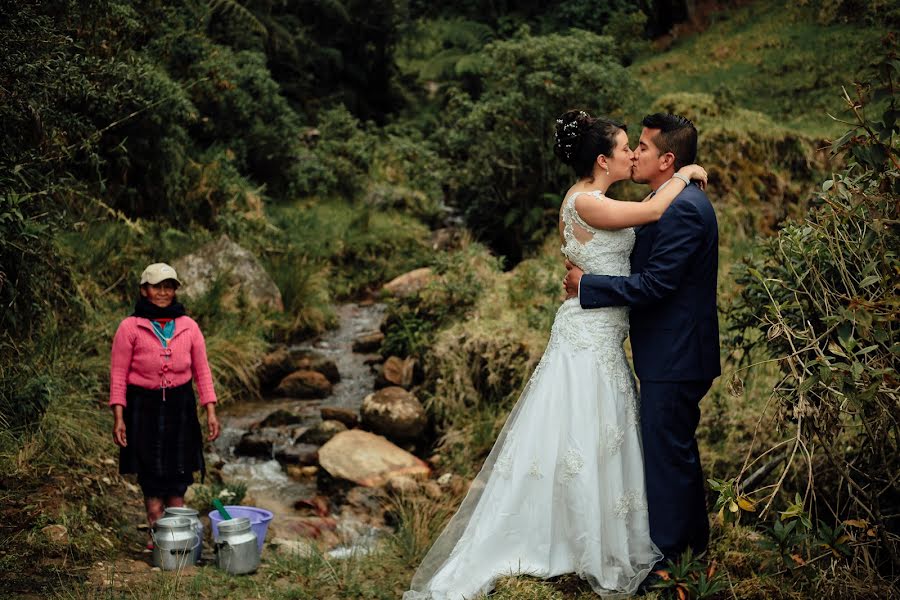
[119, 427]
[212, 422]
[695, 172]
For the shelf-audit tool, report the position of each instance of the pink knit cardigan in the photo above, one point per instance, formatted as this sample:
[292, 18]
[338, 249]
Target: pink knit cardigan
[138, 358]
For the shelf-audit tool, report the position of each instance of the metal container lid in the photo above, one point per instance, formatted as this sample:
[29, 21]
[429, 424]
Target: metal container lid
[172, 523]
[182, 511]
[234, 525]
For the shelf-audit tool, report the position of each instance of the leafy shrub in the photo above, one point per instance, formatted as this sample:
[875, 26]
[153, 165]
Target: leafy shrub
[202, 495]
[535, 286]
[239, 107]
[504, 176]
[336, 157]
[460, 279]
[820, 297]
[407, 174]
[444, 50]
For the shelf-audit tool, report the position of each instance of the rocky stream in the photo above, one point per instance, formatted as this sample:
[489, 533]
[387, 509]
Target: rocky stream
[332, 431]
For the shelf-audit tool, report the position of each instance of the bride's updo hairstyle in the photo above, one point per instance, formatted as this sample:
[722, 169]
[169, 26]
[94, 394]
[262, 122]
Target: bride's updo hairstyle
[581, 138]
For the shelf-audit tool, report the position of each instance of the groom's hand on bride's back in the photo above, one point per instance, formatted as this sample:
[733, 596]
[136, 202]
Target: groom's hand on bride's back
[572, 279]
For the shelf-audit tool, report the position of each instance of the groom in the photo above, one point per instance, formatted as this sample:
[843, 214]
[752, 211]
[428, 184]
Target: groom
[674, 332]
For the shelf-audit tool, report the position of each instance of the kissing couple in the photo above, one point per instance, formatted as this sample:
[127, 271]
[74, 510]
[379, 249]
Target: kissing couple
[586, 476]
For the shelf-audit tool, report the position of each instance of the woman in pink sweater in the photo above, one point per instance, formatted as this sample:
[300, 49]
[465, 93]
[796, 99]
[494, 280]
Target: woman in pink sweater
[156, 353]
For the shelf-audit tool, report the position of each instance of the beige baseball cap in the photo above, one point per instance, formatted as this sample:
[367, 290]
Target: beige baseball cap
[157, 272]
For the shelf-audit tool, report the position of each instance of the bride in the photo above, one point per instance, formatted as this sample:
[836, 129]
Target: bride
[562, 490]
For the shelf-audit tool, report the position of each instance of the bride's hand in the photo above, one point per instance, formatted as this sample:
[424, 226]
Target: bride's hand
[695, 172]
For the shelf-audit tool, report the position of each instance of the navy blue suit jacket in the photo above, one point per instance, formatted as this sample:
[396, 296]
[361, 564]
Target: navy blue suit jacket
[672, 292]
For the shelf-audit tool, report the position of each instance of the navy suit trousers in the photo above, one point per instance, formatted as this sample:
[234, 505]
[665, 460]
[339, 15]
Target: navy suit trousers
[670, 412]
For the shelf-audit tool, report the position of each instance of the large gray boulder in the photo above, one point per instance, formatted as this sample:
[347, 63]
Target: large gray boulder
[241, 270]
[368, 459]
[395, 413]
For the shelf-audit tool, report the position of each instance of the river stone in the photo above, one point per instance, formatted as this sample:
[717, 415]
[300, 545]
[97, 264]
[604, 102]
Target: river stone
[274, 367]
[373, 360]
[368, 342]
[256, 444]
[304, 455]
[322, 432]
[316, 362]
[368, 459]
[393, 412]
[279, 418]
[347, 416]
[304, 384]
[397, 371]
[409, 284]
[242, 272]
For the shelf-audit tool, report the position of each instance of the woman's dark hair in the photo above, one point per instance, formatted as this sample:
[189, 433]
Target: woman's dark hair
[581, 138]
[676, 135]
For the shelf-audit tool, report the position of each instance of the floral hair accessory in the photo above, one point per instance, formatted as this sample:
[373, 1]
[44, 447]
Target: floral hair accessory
[568, 135]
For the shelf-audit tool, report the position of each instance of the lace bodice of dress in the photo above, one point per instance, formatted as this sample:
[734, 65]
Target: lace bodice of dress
[597, 251]
[600, 252]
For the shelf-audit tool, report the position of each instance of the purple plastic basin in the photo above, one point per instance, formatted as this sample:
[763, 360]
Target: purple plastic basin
[259, 521]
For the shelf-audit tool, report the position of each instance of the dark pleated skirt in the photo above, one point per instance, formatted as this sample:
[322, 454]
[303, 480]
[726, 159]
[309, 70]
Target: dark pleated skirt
[165, 446]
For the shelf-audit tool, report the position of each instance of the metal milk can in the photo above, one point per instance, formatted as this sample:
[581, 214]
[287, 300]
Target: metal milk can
[174, 543]
[194, 517]
[237, 550]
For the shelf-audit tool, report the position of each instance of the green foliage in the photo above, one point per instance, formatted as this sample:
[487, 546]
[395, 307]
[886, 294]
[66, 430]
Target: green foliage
[771, 56]
[240, 108]
[419, 520]
[33, 283]
[407, 174]
[883, 13]
[307, 302]
[475, 365]
[320, 53]
[690, 579]
[730, 501]
[458, 282]
[504, 175]
[535, 287]
[228, 493]
[359, 246]
[336, 158]
[444, 50]
[821, 298]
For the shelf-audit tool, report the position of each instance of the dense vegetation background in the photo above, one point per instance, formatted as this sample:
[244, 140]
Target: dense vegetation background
[331, 138]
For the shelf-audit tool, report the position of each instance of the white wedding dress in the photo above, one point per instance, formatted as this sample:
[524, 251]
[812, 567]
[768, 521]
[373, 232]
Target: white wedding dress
[562, 490]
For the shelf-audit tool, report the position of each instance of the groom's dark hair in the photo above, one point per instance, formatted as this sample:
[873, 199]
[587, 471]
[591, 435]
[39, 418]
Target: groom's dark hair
[676, 135]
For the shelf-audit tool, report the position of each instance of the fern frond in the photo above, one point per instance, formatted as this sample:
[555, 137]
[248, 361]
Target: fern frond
[236, 9]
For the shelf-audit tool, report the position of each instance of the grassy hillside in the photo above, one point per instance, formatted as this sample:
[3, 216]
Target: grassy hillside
[772, 57]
